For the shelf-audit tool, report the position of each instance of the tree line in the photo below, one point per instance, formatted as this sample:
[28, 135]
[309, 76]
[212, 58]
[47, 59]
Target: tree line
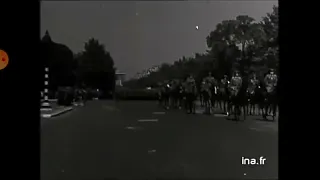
[241, 43]
[91, 68]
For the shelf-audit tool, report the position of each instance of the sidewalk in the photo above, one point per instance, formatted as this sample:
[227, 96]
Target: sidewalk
[56, 110]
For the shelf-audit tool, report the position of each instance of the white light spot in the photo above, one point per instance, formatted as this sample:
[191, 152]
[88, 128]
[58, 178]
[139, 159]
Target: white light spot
[197, 27]
[245, 174]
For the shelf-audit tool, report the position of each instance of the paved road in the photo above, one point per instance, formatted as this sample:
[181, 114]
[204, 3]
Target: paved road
[92, 143]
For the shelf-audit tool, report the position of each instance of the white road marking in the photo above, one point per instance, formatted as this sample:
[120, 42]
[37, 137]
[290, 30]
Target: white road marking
[148, 120]
[255, 129]
[152, 151]
[133, 128]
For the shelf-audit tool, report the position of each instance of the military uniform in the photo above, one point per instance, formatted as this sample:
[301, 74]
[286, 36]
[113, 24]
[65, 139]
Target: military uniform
[253, 83]
[235, 84]
[190, 82]
[271, 81]
[223, 84]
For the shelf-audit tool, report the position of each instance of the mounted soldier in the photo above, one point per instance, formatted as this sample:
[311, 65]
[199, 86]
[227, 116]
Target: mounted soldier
[166, 94]
[160, 93]
[270, 82]
[253, 83]
[234, 88]
[206, 91]
[175, 93]
[252, 92]
[223, 94]
[191, 92]
[213, 88]
[235, 83]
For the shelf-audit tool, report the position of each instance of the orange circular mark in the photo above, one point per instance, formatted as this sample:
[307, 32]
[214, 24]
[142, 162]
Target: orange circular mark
[4, 59]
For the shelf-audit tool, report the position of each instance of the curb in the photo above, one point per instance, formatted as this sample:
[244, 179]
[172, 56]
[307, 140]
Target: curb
[57, 113]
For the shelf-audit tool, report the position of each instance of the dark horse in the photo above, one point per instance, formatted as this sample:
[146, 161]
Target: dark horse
[176, 95]
[270, 101]
[223, 96]
[239, 100]
[256, 98]
[214, 94]
[191, 96]
[165, 96]
[206, 95]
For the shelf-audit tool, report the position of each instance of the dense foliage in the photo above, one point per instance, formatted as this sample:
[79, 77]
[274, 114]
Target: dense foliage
[240, 43]
[93, 67]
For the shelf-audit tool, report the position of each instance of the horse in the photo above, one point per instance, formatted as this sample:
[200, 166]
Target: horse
[176, 95]
[166, 96]
[270, 101]
[201, 97]
[191, 96]
[206, 94]
[255, 98]
[214, 94]
[223, 96]
[239, 100]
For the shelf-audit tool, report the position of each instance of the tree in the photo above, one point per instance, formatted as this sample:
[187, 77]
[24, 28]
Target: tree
[270, 24]
[59, 59]
[96, 66]
[240, 43]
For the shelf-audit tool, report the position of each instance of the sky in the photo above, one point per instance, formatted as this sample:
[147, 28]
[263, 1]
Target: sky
[141, 34]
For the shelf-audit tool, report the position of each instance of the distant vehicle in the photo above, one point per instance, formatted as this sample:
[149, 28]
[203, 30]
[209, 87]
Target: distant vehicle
[148, 88]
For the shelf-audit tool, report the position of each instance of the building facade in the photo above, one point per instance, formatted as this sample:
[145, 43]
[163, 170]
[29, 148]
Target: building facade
[120, 77]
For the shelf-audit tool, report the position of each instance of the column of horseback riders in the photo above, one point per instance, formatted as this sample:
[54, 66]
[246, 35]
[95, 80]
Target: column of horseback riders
[237, 95]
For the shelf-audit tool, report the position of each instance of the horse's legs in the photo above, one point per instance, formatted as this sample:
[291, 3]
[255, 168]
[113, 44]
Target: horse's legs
[253, 109]
[193, 104]
[208, 106]
[266, 108]
[274, 109]
[244, 113]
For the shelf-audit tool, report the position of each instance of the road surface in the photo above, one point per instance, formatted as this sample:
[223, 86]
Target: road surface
[106, 140]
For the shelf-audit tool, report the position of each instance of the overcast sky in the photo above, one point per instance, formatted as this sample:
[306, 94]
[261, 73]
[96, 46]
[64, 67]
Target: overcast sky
[142, 34]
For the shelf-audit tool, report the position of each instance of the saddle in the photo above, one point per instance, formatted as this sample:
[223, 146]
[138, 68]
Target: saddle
[270, 89]
[234, 90]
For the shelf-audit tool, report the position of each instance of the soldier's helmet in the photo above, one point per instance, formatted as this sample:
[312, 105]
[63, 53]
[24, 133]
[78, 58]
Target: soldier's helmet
[236, 73]
[271, 70]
